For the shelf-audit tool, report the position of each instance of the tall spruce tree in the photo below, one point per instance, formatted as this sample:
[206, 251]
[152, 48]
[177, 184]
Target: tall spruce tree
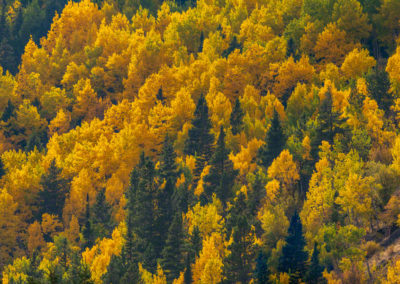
[168, 166]
[294, 258]
[221, 177]
[102, 212]
[274, 142]
[201, 41]
[238, 264]
[236, 118]
[172, 254]
[187, 276]
[142, 213]
[378, 85]
[200, 141]
[51, 198]
[314, 274]
[261, 273]
[87, 231]
[9, 111]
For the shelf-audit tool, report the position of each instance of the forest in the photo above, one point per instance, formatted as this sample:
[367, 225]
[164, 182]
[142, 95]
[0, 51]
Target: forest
[199, 141]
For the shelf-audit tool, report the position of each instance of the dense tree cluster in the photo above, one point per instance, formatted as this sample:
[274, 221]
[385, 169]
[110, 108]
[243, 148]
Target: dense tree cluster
[199, 141]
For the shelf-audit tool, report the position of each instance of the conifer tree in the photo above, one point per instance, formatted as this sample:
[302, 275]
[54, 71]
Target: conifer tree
[2, 170]
[234, 44]
[314, 274]
[87, 231]
[168, 166]
[9, 111]
[378, 84]
[236, 118]
[221, 177]
[52, 197]
[195, 241]
[330, 122]
[261, 272]
[102, 211]
[238, 264]
[274, 142]
[160, 96]
[256, 194]
[172, 259]
[200, 141]
[187, 276]
[201, 41]
[294, 258]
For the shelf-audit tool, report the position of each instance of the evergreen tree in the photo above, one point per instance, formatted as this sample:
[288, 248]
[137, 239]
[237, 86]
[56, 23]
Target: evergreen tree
[160, 96]
[143, 215]
[195, 242]
[261, 273]
[87, 230]
[274, 142]
[256, 194]
[172, 260]
[187, 276]
[9, 111]
[78, 271]
[294, 258]
[330, 122]
[234, 44]
[201, 41]
[314, 275]
[168, 166]
[2, 171]
[238, 264]
[200, 141]
[102, 211]
[52, 197]
[237, 118]
[221, 177]
[378, 84]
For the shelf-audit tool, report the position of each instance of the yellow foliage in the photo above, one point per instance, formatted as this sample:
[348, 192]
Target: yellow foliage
[244, 160]
[35, 240]
[357, 63]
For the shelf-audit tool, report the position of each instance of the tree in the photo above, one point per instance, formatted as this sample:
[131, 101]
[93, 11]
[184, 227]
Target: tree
[378, 84]
[221, 177]
[54, 189]
[168, 167]
[172, 258]
[201, 41]
[274, 142]
[234, 44]
[294, 258]
[187, 276]
[200, 140]
[87, 231]
[237, 118]
[102, 219]
[314, 274]
[238, 264]
[261, 273]
[9, 111]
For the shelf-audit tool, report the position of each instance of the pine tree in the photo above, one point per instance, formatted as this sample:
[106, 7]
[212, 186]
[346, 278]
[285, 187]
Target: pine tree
[142, 214]
[238, 264]
[168, 166]
[261, 274]
[172, 259]
[314, 274]
[160, 96]
[378, 84]
[256, 194]
[236, 118]
[201, 41]
[52, 197]
[2, 170]
[234, 44]
[187, 276]
[274, 142]
[9, 111]
[102, 211]
[221, 177]
[330, 122]
[195, 242]
[87, 230]
[294, 258]
[200, 141]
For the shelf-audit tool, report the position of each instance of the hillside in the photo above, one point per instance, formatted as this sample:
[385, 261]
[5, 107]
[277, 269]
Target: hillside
[229, 141]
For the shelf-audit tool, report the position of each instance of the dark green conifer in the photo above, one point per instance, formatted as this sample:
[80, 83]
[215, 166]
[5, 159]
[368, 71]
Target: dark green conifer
[221, 177]
[261, 274]
[234, 44]
[87, 231]
[314, 274]
[378, 85]
[102, 212]
[274, 142]
[172, 258]
[187, 276]
[294, 258]
[9, 111]
[201, 41]
[54, 188]
[237, 118]
[238, 264]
